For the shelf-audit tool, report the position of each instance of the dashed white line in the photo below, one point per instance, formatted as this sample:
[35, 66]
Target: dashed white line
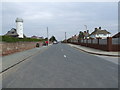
[64, 56]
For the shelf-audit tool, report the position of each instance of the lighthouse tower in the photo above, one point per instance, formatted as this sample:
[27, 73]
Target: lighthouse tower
[19, 27]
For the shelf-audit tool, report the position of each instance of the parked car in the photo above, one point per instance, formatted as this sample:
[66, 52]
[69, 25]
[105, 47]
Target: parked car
[37, 45]
[55, 42]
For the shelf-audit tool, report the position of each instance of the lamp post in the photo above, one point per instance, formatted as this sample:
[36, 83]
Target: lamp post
[47, 36]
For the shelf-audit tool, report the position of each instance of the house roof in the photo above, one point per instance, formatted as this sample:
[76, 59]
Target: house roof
[99, 31]
[12, 32]
[86, 34]
[75, 37]
[34, 37]
[116, 35]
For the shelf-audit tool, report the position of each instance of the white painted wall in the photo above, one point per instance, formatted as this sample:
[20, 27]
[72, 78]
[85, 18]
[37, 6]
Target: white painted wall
[19, 28]
[103, 36]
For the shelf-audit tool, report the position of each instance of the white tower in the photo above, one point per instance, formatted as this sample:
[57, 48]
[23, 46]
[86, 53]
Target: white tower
[19, 27]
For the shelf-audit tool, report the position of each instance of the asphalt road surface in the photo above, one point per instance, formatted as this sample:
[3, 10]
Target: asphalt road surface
[61, 66]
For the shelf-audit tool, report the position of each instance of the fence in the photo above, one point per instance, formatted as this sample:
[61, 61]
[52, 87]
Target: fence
[109, 44]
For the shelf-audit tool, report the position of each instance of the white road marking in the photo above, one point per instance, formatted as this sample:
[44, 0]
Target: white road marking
[64, 56]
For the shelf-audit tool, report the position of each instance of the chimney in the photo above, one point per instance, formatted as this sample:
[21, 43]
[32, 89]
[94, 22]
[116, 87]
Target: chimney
[100, 28]
[87, 31]
[95, 28]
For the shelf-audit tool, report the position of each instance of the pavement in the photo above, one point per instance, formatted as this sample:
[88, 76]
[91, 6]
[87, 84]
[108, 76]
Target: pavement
[95, 51]
[16, 58]
[62, 66]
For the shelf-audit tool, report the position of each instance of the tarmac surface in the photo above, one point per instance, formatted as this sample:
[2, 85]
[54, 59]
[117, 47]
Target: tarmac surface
[109, 56]
[61, 66]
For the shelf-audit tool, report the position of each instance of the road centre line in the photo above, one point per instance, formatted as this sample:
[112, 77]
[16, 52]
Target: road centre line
[65, 56]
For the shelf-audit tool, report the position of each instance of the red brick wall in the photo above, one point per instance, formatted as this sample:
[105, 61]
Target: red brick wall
[9, 48]
[106, 47]
[115, 47]
[95, 46]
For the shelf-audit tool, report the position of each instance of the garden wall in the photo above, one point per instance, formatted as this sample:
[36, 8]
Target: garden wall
[9, 48]
[109, 44]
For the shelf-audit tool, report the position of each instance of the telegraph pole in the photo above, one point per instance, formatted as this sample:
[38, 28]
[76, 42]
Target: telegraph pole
[47, 36]
[65, 36]
[85, 27]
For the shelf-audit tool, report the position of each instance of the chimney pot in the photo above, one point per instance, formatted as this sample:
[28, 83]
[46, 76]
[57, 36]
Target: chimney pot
[99, 27]
[95, 28]
[87, 31]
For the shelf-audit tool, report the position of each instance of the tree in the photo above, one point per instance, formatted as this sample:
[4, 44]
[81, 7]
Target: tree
[46, 38]
[81, 35]
[52, 39]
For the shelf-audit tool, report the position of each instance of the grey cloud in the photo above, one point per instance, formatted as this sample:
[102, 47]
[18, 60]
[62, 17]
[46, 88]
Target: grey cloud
[60, 17]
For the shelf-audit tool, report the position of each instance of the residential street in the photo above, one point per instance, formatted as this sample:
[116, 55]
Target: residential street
[62, 66]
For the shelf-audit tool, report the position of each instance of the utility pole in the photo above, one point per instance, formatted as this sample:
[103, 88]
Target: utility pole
[47, 36]
[65, 37]
[85, 27]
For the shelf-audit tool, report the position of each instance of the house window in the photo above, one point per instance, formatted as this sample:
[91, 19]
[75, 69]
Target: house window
[12, 32]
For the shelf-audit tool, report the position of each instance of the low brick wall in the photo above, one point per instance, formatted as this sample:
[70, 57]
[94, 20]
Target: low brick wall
[109, 44]
[9, 48]
[116, 47]
[103, 47]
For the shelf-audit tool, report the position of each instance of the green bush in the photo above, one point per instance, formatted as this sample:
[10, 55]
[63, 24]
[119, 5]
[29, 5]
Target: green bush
[14, 39]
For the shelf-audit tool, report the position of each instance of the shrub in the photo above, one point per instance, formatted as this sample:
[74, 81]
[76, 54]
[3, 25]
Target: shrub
[14, 39]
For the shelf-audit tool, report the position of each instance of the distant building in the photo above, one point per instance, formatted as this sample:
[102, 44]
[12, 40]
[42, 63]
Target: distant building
[74, 38]
[116, 35]
[86, 34]
[98, 33]
[41, 37]
[12, 33]
[36, 37]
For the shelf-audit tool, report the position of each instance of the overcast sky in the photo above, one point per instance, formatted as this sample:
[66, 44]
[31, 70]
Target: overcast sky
[60, 17]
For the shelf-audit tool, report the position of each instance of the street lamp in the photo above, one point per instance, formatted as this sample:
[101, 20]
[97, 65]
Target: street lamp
[65, 37]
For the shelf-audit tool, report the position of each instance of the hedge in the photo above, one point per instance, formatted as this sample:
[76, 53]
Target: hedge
[14, 39]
